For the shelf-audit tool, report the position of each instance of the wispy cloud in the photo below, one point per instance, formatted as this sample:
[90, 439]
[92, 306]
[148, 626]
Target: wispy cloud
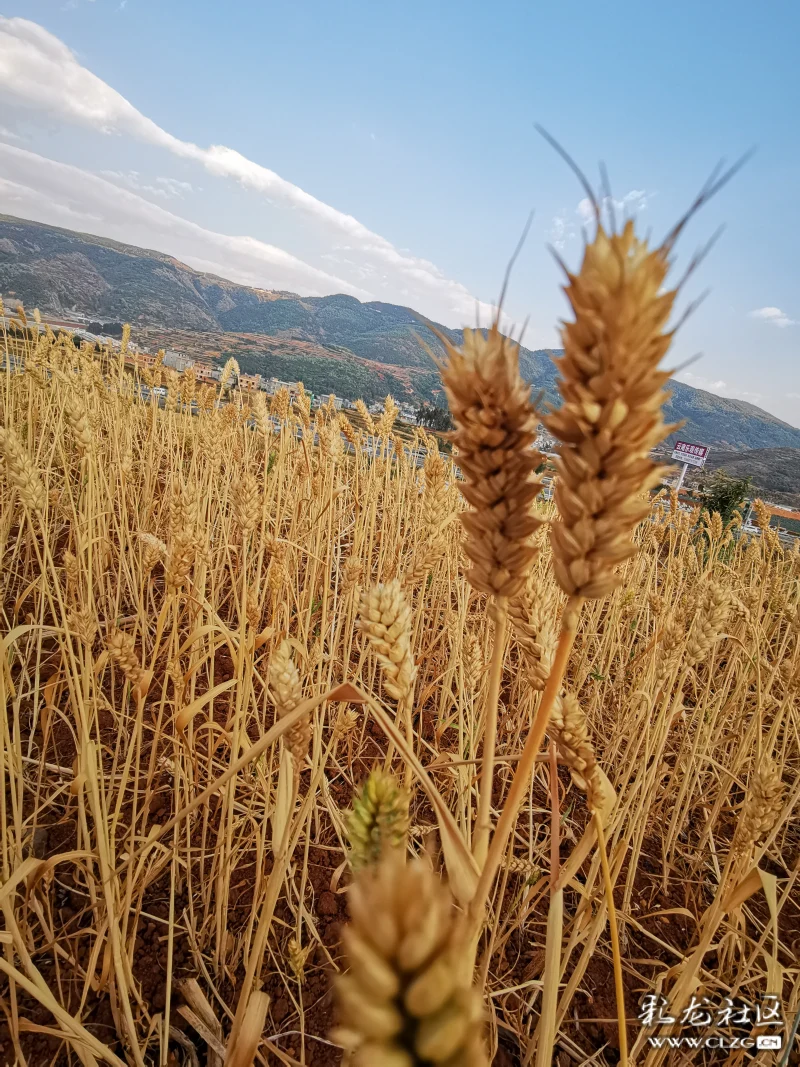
[164, 188]
[774, 316]
[41, 74]
[562, 230]
[173, 186]
[631, 204]
[566, 226]
[63, 195]
[718, 385]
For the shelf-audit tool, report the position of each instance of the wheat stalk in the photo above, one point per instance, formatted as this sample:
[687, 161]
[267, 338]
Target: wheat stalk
[208, 808]
[495, 430]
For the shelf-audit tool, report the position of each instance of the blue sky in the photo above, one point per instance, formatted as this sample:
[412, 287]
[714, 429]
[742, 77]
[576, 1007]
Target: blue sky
[390, 151]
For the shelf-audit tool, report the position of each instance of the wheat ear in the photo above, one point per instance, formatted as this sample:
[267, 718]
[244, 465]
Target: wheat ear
[610, 419]
[22, 472]
[379, 819]
[287, 691]
[495, 430]
[385, 619]
[406, 1000]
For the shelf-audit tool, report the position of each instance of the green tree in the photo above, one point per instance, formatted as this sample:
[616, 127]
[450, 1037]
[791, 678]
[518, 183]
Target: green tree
[724, 494]
[434, 418]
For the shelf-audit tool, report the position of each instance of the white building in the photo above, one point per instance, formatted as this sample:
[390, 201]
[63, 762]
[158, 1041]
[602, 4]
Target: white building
[177, 360]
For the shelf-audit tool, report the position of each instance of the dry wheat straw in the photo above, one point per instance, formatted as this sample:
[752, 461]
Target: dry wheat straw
[117, 548]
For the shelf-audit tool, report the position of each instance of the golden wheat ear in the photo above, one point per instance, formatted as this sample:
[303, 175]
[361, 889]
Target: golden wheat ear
[22, 472]
[496, 425]
[611, 412]
[246, 502]
[762, 807]
[287, 692]
[385, 619]
[407, 997]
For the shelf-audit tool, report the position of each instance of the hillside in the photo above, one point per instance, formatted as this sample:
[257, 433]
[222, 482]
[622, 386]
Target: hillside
[775, 471]
[333, 343]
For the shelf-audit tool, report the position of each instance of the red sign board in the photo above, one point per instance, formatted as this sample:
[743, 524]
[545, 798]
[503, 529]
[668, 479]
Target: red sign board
[685, 452]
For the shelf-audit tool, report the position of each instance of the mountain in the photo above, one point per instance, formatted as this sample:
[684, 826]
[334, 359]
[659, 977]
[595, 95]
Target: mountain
[775, 471]
[723, 423]
[333, 343]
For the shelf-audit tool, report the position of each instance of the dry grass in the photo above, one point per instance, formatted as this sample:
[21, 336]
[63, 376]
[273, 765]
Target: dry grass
[214, 629]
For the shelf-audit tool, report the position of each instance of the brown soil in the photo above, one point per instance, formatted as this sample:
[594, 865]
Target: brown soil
[309, 1006]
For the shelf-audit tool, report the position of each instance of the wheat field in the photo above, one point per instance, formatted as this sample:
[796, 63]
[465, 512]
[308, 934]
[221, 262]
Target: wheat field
[254, 669]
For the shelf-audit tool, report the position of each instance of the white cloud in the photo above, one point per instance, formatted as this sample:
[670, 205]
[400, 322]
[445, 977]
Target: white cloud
[632, 202]
[561, 231]
[174, 187]
[164, 188]
[565, 226]
[62, 195]
[774, 316]
[719, 386]
[41, 74]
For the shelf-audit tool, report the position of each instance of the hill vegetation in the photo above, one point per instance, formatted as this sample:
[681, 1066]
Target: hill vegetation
[331, 343]
[775, 472]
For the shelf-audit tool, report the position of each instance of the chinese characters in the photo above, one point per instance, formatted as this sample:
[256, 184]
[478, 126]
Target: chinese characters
[702, 1012]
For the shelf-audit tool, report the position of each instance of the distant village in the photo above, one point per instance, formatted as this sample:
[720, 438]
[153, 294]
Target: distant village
[206, 372]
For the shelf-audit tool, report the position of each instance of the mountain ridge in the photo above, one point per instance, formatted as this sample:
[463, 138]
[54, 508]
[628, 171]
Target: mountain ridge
[366, 344]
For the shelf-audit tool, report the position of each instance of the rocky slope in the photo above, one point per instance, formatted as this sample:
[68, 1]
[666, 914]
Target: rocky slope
[775, 471]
